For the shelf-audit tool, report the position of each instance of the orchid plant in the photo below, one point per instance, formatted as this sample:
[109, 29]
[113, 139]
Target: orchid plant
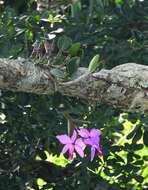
[79, 140]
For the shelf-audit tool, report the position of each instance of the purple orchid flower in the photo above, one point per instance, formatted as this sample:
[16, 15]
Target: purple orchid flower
[92, 138]
[72, 144]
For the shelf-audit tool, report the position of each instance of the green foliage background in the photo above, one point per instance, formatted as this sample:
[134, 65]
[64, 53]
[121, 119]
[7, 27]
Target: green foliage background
[117, 30]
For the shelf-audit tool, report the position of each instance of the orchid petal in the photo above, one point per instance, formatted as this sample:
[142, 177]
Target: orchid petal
[79, 150]
[65, 148]
[88, 141]
[83, 133]
[93, 150]
[95, 141]
[74, 136]
[71, 151]
[64, 139]
[95, 133]
[79, 142]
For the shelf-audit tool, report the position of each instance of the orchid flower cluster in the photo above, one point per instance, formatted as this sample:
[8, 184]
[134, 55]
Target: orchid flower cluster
[79, 140]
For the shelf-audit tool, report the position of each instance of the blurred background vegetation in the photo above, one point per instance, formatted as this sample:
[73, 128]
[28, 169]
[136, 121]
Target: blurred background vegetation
[67, 35]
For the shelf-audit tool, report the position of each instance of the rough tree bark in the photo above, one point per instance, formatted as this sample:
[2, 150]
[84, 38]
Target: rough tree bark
[125, 86]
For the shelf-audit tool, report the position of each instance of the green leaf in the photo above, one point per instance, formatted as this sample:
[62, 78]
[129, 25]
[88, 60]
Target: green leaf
[138, 135]
[41, 182]
[29, 34]
[74, 49]
[137, 146]
[119, 158]
[94, 63]
[138, 178]
[139, 162]
[118, 1]
[145, 158]
[132, 133]
[72, 65]
[145, 138]
[64, 43]
[75, 8]
[108, 172]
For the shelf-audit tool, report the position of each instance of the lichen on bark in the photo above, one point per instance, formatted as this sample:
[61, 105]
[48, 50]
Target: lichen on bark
[124, 86]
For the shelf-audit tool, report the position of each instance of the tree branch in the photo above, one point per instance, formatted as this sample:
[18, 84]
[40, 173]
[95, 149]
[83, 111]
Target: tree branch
[124, 87]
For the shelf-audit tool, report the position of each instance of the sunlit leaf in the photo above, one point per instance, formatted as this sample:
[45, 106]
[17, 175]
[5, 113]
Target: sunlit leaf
[93, 65]
[41, 182]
